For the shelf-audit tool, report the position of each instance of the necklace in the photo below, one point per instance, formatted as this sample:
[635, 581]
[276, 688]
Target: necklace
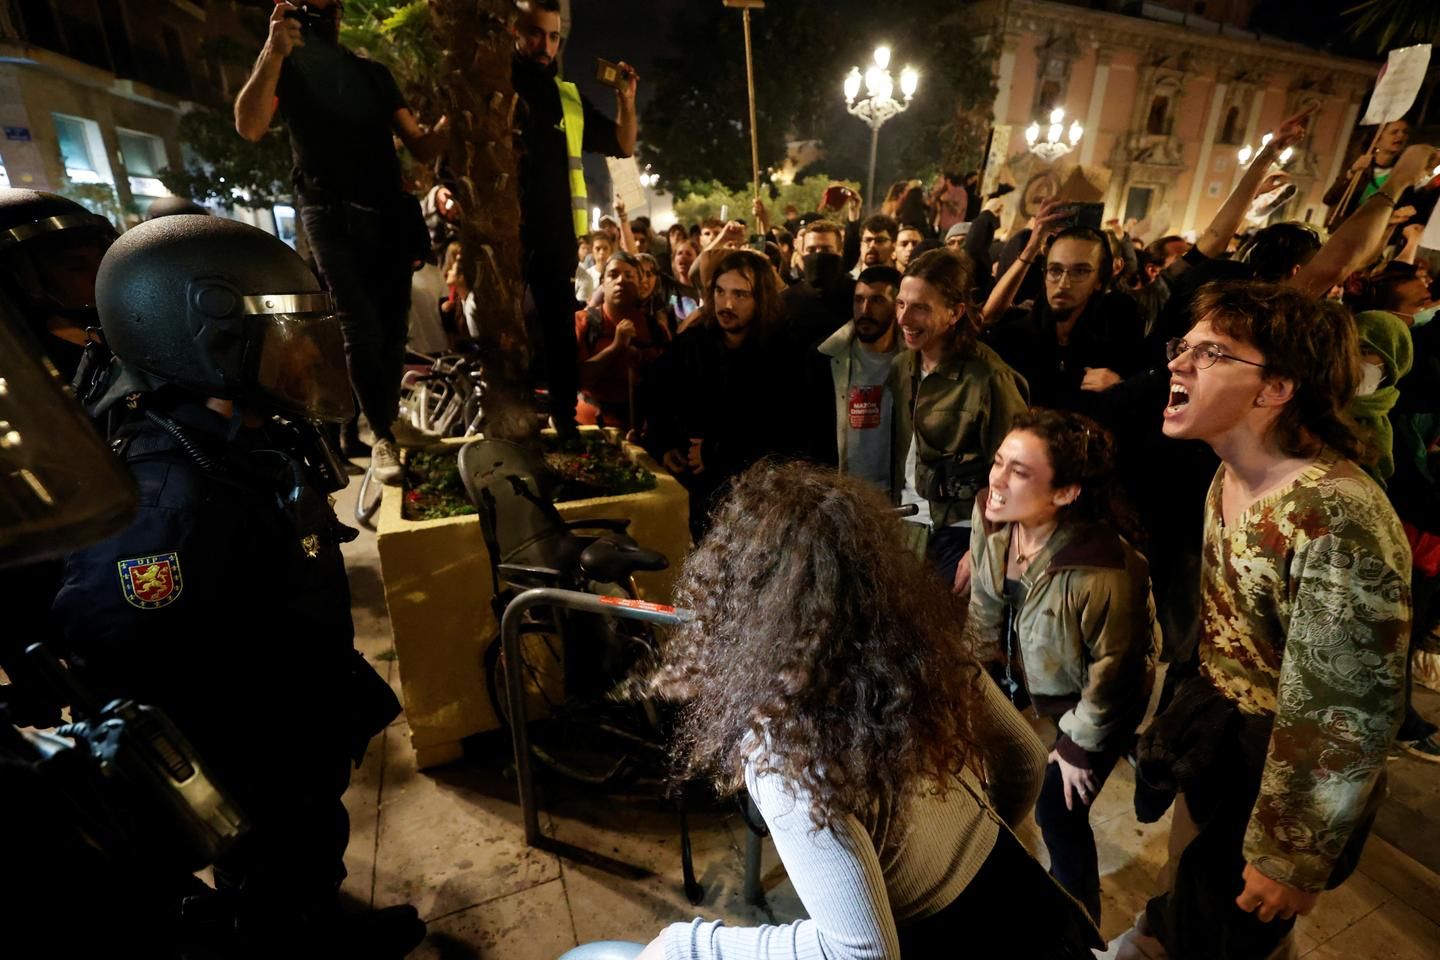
[1024, 558]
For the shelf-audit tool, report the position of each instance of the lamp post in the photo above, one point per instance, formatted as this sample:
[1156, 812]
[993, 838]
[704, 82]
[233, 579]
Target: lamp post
[879, 103]
[1052, 148]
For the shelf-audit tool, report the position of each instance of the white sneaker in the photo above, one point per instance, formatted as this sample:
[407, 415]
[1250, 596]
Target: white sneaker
[385, 462]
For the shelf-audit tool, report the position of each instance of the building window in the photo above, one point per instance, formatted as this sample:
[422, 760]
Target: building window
[82, 152]
[1137, 203]
[1230, 129]
[144, 157]
[284, 222]
[1157, 120]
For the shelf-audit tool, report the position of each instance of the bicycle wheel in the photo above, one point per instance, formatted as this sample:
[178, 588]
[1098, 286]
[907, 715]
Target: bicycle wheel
[582, 735]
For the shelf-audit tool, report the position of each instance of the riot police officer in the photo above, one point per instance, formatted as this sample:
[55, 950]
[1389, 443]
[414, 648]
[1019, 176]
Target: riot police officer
[225, 602]
[50, 248]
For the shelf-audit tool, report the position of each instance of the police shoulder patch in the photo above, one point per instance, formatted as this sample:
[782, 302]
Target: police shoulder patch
[151, 582]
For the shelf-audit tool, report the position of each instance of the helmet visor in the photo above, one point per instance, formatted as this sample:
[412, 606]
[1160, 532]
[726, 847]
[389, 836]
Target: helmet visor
[302, 366]
[60, 486]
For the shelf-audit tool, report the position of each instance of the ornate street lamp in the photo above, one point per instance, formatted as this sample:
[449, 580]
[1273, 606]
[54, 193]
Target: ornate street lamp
[1052, 148]
[879, 103]
[649, 178]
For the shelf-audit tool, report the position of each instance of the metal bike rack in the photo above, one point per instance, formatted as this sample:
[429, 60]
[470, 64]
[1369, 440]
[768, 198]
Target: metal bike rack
[365, 508]
[625, 609]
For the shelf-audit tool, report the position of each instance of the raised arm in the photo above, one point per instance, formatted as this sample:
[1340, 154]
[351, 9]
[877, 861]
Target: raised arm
[1046, 222]
[627, 126]
[255, 106]
[1227, 220]
[1357, 239]
[627, 236]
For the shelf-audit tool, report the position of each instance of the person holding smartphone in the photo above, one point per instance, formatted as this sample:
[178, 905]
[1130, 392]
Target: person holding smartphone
[557, 124]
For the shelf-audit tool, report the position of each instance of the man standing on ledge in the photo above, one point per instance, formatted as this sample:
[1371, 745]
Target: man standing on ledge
[557, 125]
[366, 232]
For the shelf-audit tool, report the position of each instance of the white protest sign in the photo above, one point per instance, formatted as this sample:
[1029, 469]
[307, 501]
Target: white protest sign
[1399, 82]
[625, 178]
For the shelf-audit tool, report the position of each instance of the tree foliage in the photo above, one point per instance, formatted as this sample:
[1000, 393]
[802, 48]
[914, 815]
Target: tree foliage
[401, 36]
[1395, 23]
[696, 126]
[227, 168]
[699, 201]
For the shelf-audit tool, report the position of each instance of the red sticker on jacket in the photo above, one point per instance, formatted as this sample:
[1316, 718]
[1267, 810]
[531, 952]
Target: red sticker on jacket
[865, 407]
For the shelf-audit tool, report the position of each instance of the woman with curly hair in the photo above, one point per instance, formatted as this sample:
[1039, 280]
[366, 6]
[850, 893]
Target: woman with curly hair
[1062, 603]
[824, 671]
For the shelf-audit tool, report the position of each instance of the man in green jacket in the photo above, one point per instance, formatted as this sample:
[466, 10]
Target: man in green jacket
[954, 400]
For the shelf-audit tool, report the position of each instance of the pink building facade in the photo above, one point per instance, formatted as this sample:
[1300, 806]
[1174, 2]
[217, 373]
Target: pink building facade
[1166, 109]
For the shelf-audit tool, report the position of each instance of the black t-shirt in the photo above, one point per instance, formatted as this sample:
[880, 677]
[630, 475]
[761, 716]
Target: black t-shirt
[547, 227]
[340, 109]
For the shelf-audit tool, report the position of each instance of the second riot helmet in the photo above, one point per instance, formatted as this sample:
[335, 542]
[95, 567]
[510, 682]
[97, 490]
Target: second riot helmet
[223, 309]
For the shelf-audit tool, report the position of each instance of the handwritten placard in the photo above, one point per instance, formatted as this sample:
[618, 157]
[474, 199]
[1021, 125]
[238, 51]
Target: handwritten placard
[1399, 82]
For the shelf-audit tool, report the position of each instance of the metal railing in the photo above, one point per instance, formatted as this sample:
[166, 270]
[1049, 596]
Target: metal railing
[625, 609]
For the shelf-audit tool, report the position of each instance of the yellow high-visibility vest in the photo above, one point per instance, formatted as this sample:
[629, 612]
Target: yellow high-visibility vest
[574, 122]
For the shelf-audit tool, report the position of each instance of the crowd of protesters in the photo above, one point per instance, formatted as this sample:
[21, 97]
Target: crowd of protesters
[1176, 497]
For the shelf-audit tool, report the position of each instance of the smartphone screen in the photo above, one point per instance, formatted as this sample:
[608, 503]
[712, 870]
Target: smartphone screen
[724, 213]
[609, 74]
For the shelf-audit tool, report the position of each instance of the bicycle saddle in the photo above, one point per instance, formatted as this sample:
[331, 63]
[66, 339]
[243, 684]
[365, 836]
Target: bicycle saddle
[614, 557]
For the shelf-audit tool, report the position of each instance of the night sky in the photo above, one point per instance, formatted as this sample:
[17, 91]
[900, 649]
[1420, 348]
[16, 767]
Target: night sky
[629, 30]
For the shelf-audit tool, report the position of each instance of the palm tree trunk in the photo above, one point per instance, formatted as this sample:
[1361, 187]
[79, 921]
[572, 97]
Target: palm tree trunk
[476, 94]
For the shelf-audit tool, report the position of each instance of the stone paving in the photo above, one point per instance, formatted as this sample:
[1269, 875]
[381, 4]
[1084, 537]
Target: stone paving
[450, 841]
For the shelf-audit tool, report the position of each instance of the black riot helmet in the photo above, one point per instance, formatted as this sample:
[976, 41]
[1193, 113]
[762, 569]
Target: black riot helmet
[50, 249]
[224, 310]
[172, 206]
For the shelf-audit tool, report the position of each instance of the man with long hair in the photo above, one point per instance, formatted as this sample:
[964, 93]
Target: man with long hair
[724, 391]
[954, 400]
[1277, 746]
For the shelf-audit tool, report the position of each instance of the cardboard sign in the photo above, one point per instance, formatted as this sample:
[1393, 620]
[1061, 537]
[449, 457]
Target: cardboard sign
[1399, 82]
[625, 178]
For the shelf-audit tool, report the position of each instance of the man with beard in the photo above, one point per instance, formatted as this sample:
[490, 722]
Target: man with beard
[877, 243]
[557, 124]
[854, 416]
[367, 234]
[727, 386]
[819, 304]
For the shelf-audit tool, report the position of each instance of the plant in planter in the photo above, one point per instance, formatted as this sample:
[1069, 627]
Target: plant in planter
[595, 467]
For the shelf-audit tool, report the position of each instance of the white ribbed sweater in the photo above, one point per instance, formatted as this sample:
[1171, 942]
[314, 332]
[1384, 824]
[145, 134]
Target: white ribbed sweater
[859, 882]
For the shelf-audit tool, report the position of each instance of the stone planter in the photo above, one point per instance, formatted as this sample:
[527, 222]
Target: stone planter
[438, 589]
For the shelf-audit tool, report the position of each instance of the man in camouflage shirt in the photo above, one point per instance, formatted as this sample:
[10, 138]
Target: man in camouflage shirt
[1305, 615]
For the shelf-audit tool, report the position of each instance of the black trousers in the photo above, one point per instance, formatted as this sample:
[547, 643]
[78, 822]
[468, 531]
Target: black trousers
[944, 550]
[551, 291]
[1010, 909]
[362, 259]
[1422, 592]
[1068, 835]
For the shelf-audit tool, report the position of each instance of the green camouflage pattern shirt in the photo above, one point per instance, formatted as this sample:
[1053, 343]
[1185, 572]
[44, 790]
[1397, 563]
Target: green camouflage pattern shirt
[1306, 616]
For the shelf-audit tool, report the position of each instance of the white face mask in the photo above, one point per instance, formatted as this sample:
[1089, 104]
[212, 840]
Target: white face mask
[1370, 378]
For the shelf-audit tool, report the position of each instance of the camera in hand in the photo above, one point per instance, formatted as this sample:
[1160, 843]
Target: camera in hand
[309, 16]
